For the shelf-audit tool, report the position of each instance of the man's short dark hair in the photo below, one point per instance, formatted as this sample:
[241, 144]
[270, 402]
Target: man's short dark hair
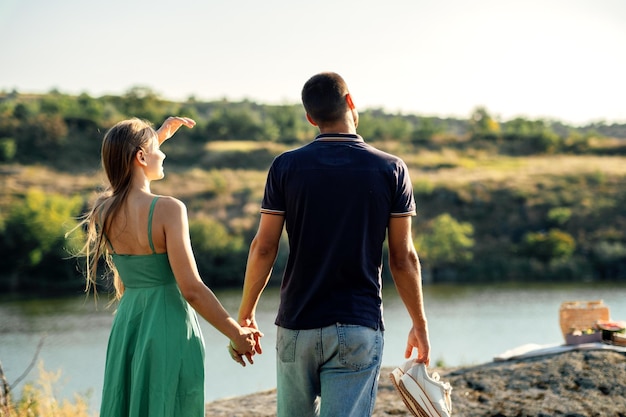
[323, 97]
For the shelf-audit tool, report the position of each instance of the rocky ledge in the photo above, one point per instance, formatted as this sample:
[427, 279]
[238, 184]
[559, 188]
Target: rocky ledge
[571, 384]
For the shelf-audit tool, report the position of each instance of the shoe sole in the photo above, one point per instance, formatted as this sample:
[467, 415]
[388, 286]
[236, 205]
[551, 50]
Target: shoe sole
[411, 403]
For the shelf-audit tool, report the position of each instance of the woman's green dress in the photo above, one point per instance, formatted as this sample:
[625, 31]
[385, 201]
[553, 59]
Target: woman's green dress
[155, 356]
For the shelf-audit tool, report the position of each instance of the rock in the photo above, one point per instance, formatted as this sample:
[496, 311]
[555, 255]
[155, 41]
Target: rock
[260, 404]
[575, 383]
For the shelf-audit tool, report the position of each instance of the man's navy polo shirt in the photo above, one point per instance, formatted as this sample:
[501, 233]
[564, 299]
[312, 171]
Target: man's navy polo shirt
[337, 194]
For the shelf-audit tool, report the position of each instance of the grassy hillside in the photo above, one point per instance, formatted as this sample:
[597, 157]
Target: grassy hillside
[497, 200]
[504, 199]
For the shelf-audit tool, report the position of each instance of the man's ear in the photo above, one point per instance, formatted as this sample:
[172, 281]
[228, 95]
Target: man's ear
[310, 120]
[350, 102]
[352, 107]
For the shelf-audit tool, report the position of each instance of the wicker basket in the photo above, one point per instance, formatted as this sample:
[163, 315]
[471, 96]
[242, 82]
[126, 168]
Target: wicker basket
[581, 315]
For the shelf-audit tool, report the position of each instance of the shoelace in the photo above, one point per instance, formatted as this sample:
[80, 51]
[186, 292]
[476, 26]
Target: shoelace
[435, 377]
[447, 390]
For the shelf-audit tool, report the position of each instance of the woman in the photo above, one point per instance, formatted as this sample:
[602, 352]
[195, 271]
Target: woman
[155, 356]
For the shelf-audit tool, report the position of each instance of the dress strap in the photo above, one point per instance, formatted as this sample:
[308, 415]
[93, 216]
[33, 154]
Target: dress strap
[154, 200]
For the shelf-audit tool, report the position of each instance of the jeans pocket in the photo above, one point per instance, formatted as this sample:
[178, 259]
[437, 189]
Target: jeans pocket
[286, 344]
[360, 347]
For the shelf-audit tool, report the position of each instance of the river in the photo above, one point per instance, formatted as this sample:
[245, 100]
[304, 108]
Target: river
[469, 324]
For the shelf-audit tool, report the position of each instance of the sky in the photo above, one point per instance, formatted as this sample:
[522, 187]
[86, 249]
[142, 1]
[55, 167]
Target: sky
[561, 60]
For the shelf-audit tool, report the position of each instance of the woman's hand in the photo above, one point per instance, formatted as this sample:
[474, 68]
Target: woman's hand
[251, 323]
[244, 345]
[171, 125]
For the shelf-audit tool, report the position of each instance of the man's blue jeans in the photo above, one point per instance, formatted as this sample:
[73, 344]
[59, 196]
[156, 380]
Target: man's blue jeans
[340, 364]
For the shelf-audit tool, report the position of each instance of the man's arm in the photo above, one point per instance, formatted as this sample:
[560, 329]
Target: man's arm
[263, 251]
[405, 269]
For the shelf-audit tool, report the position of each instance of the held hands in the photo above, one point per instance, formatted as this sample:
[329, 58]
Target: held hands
[245, 344]
[171, 125]
[251, 323]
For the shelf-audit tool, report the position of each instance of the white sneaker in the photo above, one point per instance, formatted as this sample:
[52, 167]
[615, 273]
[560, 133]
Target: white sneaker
[424, 395]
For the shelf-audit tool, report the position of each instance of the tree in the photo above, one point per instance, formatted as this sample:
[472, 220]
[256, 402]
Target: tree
[221, 257]
[531, 136]
[22, 112]
[398, 128]
[372, 125]
[235, 124]
[41, 138]
[89, 108]
[445, 243]
[559, 215]
[144, 103]
[7, 149]
[548, 246]
[483, 126]
[609, 259]
[424, 131]
[33, 242]
[578, 142]
[291, 124]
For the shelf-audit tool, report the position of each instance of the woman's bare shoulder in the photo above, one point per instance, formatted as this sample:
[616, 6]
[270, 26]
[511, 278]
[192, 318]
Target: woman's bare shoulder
[169, 207]
[171, 204]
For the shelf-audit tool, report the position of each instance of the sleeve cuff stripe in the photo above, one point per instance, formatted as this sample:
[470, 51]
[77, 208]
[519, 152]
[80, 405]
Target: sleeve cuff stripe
[268, 211]
[405, 214]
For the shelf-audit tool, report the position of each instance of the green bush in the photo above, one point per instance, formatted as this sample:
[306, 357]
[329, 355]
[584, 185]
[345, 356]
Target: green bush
[609, 259]
[548, 246]
[7, 149]
[220, 256]
[34, 245]
[559, 215]
[446, 243]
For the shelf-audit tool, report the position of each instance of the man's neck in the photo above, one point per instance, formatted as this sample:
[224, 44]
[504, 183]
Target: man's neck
[346, 128]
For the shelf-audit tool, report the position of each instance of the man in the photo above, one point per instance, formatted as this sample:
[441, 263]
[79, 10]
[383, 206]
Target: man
[338, 197]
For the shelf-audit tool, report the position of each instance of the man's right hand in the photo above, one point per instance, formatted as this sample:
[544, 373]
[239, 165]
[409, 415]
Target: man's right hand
[418, 339]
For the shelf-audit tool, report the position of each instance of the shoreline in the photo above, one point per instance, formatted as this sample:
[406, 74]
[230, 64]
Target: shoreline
[576, 382]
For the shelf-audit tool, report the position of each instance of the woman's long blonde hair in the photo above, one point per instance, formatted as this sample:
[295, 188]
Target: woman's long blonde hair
[119, 147]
